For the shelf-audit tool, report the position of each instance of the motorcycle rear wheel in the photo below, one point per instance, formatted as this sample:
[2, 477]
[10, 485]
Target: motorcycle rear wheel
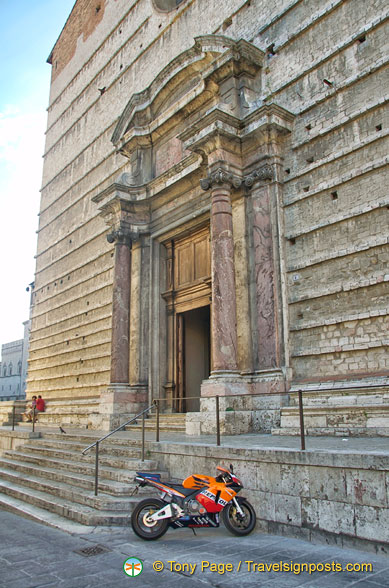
[145, 529]
[234, 522]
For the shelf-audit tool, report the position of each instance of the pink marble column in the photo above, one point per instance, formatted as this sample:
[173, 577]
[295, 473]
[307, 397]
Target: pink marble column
[120, 307]
[264, 269]
[223, 318]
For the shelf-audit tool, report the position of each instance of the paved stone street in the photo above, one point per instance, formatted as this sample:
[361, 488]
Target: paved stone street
[34, 556]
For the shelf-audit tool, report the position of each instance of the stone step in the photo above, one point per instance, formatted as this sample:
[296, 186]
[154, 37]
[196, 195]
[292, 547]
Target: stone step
[75, 480]
[88, 438]
[174, 422]
[75, 418]
[346, 416]
[50, 474]
[162, 428]
[334, 432]
[83, 514]
[341, 397]
[66, 486]
[85, 439]
[105, 472]
[110, 459]
[41, 515]
[78, 447]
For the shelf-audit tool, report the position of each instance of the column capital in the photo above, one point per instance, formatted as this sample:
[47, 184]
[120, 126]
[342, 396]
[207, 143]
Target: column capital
[122, 236]
[265, 172]
[220, 176]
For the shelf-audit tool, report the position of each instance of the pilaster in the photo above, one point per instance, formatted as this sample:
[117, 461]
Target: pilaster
[139, 320]
[120, 306]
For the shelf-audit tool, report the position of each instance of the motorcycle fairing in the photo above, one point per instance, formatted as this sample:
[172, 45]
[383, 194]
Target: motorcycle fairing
[198, 481]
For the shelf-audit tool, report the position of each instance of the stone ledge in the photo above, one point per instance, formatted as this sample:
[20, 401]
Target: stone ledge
[328, 495]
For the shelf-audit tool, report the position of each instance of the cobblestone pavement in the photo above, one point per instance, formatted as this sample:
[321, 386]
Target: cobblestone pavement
[36, 556]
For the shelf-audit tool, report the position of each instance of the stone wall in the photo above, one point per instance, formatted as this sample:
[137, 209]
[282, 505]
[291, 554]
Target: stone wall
[325, 63]
[335, 496]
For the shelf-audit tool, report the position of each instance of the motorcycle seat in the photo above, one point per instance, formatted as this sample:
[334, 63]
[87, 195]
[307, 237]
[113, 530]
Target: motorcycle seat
[180, 488]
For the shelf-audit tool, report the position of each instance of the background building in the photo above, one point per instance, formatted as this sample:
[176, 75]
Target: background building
[13, 367]
[214, 212]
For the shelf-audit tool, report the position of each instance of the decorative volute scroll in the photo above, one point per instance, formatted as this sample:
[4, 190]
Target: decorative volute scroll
[265, 172]
[220, 176]
[123, 236]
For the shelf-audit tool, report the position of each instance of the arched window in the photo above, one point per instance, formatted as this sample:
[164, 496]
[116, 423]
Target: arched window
[10, 369]
[19, 368]
[5, 370]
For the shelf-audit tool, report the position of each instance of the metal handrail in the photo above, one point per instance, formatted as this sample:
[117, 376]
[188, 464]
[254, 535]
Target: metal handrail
[96, 443]
[217, 410]
[156, 405]
[299, 393]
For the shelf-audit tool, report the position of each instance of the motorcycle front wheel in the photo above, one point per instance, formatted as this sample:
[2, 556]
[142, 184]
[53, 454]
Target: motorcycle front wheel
[141, 523]
[236, 523]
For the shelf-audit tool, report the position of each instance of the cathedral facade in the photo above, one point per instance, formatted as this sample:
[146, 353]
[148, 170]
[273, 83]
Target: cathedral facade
[214, 215]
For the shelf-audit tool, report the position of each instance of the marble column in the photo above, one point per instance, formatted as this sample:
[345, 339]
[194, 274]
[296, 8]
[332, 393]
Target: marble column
[120, 307]
[265, 294]
[223, 317]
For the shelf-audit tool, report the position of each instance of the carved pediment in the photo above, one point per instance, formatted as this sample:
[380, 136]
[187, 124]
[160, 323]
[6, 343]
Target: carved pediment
[194, 77]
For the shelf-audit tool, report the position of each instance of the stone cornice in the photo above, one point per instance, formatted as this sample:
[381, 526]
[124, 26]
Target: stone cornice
[218, 122]
[267, 116]
[119, 190]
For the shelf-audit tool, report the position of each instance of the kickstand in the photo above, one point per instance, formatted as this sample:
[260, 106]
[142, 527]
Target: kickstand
[194, 532]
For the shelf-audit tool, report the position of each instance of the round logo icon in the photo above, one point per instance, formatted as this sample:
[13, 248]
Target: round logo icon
[132, 566]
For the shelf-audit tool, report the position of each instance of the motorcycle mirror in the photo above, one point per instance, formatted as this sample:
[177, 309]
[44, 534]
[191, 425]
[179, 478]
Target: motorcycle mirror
[231, 468]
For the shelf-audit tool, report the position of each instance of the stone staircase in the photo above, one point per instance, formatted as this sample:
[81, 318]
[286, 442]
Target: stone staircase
[76, 412]
[49, 477]
[168, 422]
[342, 411]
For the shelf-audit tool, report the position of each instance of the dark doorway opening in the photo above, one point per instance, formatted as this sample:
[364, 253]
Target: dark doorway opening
[193, 356]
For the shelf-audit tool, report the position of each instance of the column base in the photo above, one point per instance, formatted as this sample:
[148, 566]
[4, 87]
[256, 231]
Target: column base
[246, 403]
[120, 402]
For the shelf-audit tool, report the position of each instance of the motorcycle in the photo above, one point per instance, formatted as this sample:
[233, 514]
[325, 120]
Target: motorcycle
[198, 502]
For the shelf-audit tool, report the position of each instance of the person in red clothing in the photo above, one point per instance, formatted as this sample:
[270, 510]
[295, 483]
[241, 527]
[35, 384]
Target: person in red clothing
[40, 404]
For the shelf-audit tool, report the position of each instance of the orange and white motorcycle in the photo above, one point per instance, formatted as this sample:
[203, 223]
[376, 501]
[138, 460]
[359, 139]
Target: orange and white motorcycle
[197, 502]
